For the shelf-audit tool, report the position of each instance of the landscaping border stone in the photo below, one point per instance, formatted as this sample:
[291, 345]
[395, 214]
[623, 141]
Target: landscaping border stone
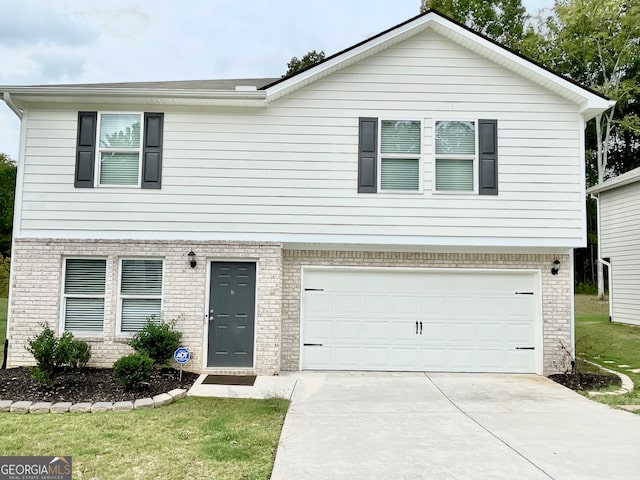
[88, 407]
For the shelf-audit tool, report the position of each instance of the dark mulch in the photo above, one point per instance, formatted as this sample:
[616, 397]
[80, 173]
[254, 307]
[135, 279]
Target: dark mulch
[586, 381]
[87, 385]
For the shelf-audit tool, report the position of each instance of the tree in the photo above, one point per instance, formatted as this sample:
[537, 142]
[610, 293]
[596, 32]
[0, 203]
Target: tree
[597, 43]
[504, 21]
[7, 194]
[295, 65]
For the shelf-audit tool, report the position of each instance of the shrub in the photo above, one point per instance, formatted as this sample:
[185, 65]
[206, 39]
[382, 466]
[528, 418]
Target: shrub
[5, 267]
[53, 354]
[158, 341]
[133, 370]
[586, 288]
[44, 347]
[81, 354]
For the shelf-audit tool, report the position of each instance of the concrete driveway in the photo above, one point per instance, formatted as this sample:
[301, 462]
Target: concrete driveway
[353, 426]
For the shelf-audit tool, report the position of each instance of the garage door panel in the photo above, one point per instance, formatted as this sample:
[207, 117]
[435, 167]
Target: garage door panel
[436, 359]
[471, 321]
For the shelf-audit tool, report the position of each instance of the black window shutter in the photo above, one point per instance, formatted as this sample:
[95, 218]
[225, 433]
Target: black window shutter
[86, 149]
[152, 150]
[367, 155]
[488, 146]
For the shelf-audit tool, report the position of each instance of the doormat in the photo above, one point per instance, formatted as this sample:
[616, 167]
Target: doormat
[246, 380]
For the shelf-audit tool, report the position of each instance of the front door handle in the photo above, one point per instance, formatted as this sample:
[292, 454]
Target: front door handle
[420, 328]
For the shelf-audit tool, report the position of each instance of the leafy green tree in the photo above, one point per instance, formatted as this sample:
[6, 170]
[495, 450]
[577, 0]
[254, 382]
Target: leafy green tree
[7, 194]
[295, 65]
[504, 21]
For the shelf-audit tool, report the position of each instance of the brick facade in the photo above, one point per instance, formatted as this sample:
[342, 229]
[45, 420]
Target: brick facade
[36, 292]
[37, 279]
[556, 289]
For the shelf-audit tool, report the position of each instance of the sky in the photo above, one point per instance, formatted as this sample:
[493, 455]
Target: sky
[95, 41]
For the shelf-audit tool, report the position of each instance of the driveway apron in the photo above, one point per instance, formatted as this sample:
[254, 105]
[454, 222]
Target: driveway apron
[369, 425]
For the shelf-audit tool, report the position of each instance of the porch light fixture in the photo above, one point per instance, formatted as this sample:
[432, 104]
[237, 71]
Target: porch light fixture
[192, 259]
[556, 267]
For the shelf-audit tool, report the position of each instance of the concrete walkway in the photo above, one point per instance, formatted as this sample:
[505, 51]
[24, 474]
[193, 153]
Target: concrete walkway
[451, 426]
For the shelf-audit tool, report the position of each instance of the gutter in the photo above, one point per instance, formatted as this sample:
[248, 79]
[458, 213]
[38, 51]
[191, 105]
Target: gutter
[9, 101]
[602, 260]
[135, 92]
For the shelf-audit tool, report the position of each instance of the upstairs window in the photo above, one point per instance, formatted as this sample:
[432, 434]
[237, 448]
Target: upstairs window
[140, 296]
[119, 149]
[400, 155]
[456, 158]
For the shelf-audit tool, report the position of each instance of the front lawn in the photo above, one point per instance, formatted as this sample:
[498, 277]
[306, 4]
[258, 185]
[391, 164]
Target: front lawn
[197, 438]
[607, 344]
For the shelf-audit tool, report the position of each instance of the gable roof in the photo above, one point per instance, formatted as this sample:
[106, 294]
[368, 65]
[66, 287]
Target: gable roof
[632, 176]
[240, 91]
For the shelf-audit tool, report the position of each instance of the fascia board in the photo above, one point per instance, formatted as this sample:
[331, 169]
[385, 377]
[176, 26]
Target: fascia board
[628, 178]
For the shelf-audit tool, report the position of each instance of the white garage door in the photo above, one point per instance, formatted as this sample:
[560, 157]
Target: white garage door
[438, 320]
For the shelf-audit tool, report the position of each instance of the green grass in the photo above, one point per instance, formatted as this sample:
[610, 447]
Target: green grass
[3, 326]
[601, 341]
[197, 438]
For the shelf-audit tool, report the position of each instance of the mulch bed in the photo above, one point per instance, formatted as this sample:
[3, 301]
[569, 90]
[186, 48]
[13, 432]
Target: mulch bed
[86, 385]
[586, 381]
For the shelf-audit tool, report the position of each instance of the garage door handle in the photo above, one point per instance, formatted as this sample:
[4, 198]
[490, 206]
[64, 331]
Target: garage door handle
[312, 345]
[525, 348]
[420, 328]
[416, 328]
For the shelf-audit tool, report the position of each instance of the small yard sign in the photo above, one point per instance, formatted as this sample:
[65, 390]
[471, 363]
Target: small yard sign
[182, 355]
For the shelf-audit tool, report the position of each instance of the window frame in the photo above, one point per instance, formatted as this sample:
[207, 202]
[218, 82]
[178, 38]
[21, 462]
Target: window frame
[119, 331]
[64, 296]
[475, 157]
[99, 149]
[419, 157]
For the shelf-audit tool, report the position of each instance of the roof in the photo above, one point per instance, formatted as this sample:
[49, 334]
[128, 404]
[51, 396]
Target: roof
[225, 92]
[224, 84]
[628, 178]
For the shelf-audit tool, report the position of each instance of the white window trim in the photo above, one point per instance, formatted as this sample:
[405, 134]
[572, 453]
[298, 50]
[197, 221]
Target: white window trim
[420, 157]
[119, 331]
[99, 150]
[453, 157]
[64, 296]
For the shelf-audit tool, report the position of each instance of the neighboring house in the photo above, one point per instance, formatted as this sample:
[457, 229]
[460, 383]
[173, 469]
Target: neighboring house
[619, 243]
[399, 206]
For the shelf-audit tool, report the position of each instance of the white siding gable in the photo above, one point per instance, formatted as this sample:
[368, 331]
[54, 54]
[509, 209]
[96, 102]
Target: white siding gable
[620, 238]
[288, 172]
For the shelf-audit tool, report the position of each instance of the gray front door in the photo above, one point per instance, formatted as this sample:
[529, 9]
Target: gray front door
[231, 314]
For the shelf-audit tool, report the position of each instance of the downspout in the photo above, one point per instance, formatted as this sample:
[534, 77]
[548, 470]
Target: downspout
[602, 260]
[9, 101]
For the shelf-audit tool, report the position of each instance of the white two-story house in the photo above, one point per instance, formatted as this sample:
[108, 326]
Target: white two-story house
[410, 203]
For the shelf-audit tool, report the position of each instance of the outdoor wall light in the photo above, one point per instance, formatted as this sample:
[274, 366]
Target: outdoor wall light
[192, 259]
[556, 267]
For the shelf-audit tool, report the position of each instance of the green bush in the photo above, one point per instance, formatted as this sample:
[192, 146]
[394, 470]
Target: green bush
[133, 370]
[158, 341]
[586, 289]
[81, 354]
[54, 354]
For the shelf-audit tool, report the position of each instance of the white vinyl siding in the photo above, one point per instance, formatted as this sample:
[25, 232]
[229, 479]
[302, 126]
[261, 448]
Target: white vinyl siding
[119, 149]
[288, 172]
[620, 238]
[83, 295]
[140, 296]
